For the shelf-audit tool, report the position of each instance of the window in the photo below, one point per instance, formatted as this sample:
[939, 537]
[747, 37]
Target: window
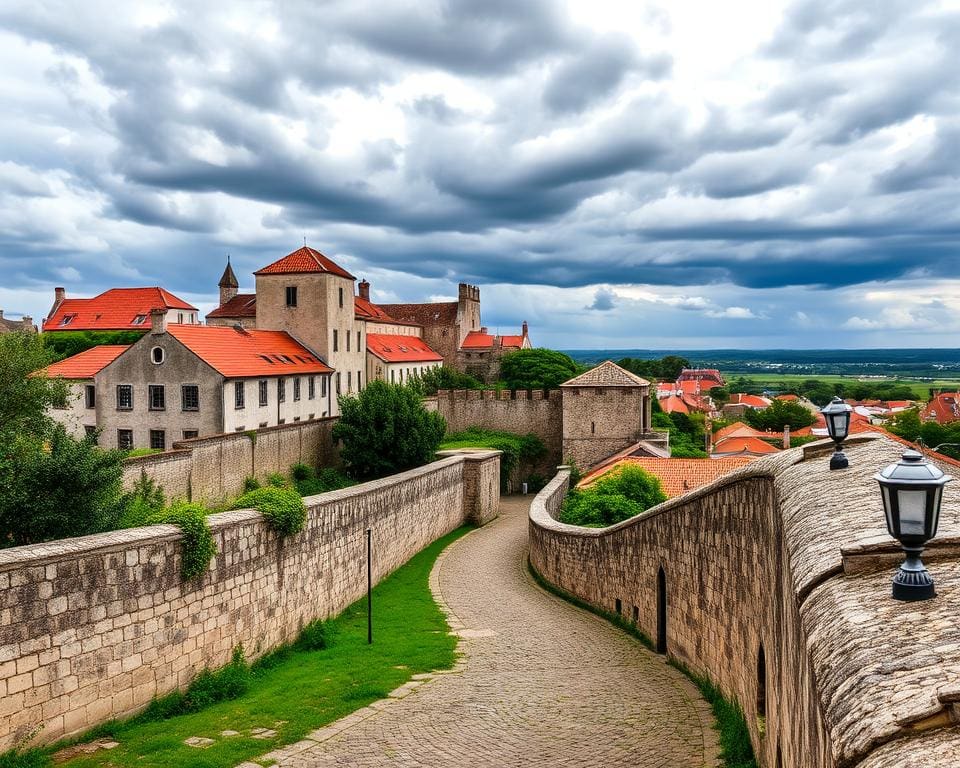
[67, 319]
[281, 421]
[190, 434]
[262, 386]
[358, 381]
[338, 382]
[158, 439]
[392, 380]
[90, 392]
[358, 341]
[281, 390]
[347, 334]
[291, 295]
[341, 298]
[323, 386]
[124, 439]
[349, 381]
[296, 388]
[139, 320]
[156, 354]
[296, 418]
[156, 397]
[238, 394]
[190, 394]
[311, 387]
[335, 340]
[90, 432]
[124, 397]
[180, 316]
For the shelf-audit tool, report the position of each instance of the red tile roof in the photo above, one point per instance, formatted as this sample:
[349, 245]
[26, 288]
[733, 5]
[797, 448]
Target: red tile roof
[394, 348]
[302, 260]
[743, 445]
[709, 377]
[788, 397]
[899, 403]
[511, 341]
[673, 404]
[753, 401]
[113, 310]
[942, 409]
[737, 429]
[676, 475]
[86, 364]
[477, 340]
[248, 352]
[241, 305]
[427, 315]
[367, 310]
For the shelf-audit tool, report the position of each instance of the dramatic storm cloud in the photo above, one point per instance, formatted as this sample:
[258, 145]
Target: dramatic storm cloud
[619, 174]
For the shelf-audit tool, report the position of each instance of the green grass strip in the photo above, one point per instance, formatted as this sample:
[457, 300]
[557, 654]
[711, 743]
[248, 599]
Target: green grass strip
[736, 751]
[297, 691]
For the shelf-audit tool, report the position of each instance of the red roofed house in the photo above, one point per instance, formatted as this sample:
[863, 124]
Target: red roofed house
[183, 381]
[943, 408]
[740, 403]
[480, 353]
[119, 309]
[397, 359]
[742, 446]
[79, 413]
[708, 378]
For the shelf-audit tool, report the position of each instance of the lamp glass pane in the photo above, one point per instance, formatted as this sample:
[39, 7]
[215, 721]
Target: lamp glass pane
[888, 510]
[840, 424]
[913, 507]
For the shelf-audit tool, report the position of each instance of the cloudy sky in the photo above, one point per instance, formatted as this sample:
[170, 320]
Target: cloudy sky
[620, 174]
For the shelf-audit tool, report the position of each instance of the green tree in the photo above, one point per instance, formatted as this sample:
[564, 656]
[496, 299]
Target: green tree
[67, 343]
[671, 366]
[444, 377]
[778, 415]
[537, 369]
[25, 398]
[57, 488]
[906, 424]
[385, 429]
[616, 496]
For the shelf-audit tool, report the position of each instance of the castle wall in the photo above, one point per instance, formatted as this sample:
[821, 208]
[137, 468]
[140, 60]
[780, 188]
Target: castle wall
[213, 468]
[95, 627]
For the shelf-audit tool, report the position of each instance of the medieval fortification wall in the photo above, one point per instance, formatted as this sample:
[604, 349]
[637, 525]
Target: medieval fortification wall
[775, 583]
[93, 628]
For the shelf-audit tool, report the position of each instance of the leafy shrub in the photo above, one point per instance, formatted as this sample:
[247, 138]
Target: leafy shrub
[616, 496]
[537, 369]
[57, 488]
[282, 508]
[277, 480]
[250, 484]
[309, 483]
[516, 448]
[209, 687]
[300, 472]
[315, 636]
[443, 377]
[142, 503]
[67, 343]
[25, 397]
[778, 415]
[198, 545]
[385, 429]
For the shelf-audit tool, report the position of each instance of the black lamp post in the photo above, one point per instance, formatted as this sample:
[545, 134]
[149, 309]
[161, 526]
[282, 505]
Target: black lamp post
[912, 490]
[837, 416]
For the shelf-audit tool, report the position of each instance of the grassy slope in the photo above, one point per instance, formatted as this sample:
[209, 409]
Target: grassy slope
[307, 689]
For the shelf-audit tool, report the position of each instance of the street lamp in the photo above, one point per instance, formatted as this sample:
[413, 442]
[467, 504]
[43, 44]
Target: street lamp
[912, 490]
[837, 416]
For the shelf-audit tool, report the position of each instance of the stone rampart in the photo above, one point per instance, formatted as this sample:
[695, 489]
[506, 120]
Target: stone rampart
[213, 468]
[93, 628]
[775, 582]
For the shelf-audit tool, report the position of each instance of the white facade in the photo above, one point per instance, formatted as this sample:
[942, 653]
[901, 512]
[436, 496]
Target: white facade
[397, 373]
[257, 412]
[77, 417]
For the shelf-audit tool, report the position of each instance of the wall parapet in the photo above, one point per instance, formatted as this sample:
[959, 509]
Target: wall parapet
[96, 627]
[784, 601]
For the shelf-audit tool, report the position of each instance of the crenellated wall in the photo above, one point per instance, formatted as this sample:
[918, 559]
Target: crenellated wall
[787, 554]
[93, 628]
[214, 468]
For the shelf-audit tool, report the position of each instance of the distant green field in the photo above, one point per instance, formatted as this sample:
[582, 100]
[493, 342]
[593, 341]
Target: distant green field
[782, 381]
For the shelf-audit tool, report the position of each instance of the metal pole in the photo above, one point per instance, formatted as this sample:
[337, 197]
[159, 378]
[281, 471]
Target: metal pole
[369, 594]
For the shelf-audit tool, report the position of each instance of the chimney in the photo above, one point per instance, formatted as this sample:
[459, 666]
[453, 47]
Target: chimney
[786, 436]
[363, 288]
[1, 314]
[524, 328]
[27, 323]
[158, 320]
[59, 294]
[483, 329]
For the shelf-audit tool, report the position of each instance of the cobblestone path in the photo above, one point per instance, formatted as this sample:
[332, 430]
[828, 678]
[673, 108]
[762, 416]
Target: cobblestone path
[540, 683]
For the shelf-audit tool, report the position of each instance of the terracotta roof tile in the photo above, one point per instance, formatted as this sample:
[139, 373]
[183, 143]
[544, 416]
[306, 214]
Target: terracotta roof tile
[113, 310]
[438, 313]
[677, 475]
[673, 404]
[753, 401]
[511, 341]
[367, 310]
[742, 445]
[607, 374]
[737, 429]
[86, 364]
[395, 348]
[302, 260]
[478, 340]
[248, 352]
[241, 305]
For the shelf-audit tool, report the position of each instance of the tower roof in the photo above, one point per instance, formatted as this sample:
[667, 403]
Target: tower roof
[304, 260]
[607, 374]
[229, 280]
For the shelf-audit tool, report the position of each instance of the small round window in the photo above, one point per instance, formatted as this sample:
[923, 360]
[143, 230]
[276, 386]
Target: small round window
[157, 355]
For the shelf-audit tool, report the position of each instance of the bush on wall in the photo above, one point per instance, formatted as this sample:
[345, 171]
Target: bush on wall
[618, 495]
[282, 508]
[198, 546]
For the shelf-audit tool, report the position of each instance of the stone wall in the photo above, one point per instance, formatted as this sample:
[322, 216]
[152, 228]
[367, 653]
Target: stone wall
[93, 628]
[214, 468]
[759, 560]
[519, 411]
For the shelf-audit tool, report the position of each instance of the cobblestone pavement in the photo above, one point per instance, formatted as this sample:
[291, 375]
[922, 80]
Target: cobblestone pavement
[540, 682]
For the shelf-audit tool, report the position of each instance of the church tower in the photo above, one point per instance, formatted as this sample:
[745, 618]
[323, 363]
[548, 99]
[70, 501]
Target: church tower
[228, 284]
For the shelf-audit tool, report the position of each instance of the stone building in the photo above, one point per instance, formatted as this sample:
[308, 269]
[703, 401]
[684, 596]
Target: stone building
[79, 412]
[119, 309]
[24, 324]
[398, 359]
[183, 381]
[481, 352]
[605, 410]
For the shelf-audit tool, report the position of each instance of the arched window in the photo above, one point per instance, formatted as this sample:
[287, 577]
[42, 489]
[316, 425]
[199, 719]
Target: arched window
[156, 354]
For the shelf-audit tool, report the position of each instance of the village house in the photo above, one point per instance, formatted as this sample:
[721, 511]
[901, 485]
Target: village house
[119, 309]
[24, 324]
[78, 413]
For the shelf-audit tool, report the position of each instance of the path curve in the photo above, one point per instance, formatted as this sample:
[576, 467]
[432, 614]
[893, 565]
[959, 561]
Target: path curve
[539, 683]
